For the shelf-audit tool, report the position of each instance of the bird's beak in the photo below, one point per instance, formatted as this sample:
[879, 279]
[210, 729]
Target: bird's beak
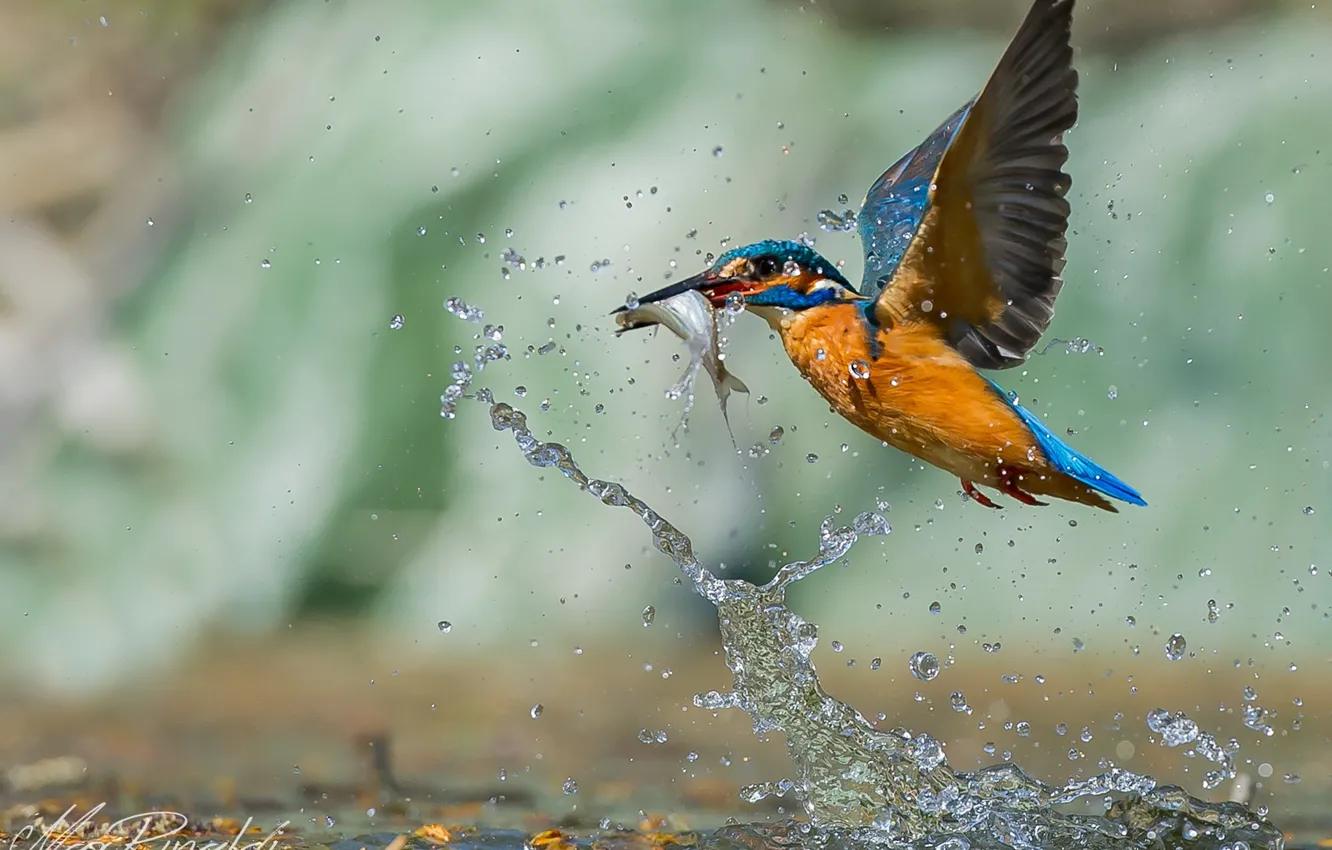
[712, 287]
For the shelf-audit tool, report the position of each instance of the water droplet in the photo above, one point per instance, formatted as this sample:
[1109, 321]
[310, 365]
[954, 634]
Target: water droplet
[843, 200]
[149, 222]
[445, 626]
[811, 458]
[926, 752]
[649, 614]
[569, 786]
[820, 354]
[536, 710]
[870, 524]
[395, 324]
[265, 264]
[1213, 611]
[463, 310]
[1112, 393]
[791, 268]
[1308, 510]
[860, 370]
[1175, 729]
[833, 222]
[924, 666]
[717, 151]
[935, 607]
[248, 199]
[958, 701]
[421, 231]
[1269, 197]
[776, 434]
[1175, 647]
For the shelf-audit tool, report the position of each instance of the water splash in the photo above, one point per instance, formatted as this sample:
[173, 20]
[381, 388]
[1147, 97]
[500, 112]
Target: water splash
[834, 222]
[1076, 345]
[863, 786]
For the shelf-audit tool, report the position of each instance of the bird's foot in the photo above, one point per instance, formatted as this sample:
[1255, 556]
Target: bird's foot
[972, 493]
[1008, 484]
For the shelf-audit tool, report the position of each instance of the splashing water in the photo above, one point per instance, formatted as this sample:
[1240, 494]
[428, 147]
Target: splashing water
[833, 222]
[1076, 345]
[862, 786]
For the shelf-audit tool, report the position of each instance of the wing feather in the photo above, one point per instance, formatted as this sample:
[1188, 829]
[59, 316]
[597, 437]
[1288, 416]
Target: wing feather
[985, 259]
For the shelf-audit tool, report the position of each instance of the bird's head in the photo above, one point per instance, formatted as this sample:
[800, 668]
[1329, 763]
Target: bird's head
[774, 274]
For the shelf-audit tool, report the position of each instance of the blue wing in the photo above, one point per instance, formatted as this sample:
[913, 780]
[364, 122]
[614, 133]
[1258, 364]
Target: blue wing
[968, 231]
[895, 205]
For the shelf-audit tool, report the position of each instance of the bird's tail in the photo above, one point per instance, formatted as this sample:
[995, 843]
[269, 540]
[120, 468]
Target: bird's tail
[1070, 461]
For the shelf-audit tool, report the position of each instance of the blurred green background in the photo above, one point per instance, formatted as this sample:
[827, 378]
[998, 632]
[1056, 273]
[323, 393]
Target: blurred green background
[212, 436]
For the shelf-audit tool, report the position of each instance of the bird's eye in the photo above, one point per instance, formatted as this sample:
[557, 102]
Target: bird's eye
[767, 267]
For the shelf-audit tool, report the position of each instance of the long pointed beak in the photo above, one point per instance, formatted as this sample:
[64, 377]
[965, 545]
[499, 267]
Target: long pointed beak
[703, 281]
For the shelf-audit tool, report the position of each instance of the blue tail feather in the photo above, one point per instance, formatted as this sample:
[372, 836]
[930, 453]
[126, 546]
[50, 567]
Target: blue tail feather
[1069, 460]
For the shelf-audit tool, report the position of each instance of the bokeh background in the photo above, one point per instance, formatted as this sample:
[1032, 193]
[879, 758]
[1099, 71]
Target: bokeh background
[232, 521]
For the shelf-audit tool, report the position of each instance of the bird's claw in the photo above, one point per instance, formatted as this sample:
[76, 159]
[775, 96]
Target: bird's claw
[971, 492]
[1008, 484]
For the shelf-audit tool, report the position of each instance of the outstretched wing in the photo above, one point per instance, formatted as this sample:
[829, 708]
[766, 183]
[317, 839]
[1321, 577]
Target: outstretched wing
[984, 258]
[895, 205]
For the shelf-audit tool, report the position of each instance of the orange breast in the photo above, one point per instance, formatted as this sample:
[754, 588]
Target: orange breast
[918, 395]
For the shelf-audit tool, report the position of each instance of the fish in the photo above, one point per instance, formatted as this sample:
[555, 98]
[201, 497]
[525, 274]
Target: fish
[690, 317]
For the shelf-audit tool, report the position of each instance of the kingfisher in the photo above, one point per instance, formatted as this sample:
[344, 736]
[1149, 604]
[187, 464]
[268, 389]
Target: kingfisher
[964, 240]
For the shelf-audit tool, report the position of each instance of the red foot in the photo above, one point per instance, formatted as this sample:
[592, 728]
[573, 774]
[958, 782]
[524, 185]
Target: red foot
[1008, 484]
[978, 496]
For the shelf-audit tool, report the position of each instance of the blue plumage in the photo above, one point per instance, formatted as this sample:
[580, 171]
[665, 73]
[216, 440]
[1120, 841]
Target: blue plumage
[785, 249]
[784, 296]
[895, 205]
[1069, 460]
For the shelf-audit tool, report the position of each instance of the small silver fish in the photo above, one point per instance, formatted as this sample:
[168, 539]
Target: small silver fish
[690, 317]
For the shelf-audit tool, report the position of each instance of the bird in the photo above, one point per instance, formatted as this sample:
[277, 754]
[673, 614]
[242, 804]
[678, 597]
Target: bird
[964, 240]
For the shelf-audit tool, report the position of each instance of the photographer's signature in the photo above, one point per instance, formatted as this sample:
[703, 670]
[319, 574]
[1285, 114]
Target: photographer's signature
[160, 830]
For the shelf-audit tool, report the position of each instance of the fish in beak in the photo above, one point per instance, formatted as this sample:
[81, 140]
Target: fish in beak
[713, 287]
[685, 311]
